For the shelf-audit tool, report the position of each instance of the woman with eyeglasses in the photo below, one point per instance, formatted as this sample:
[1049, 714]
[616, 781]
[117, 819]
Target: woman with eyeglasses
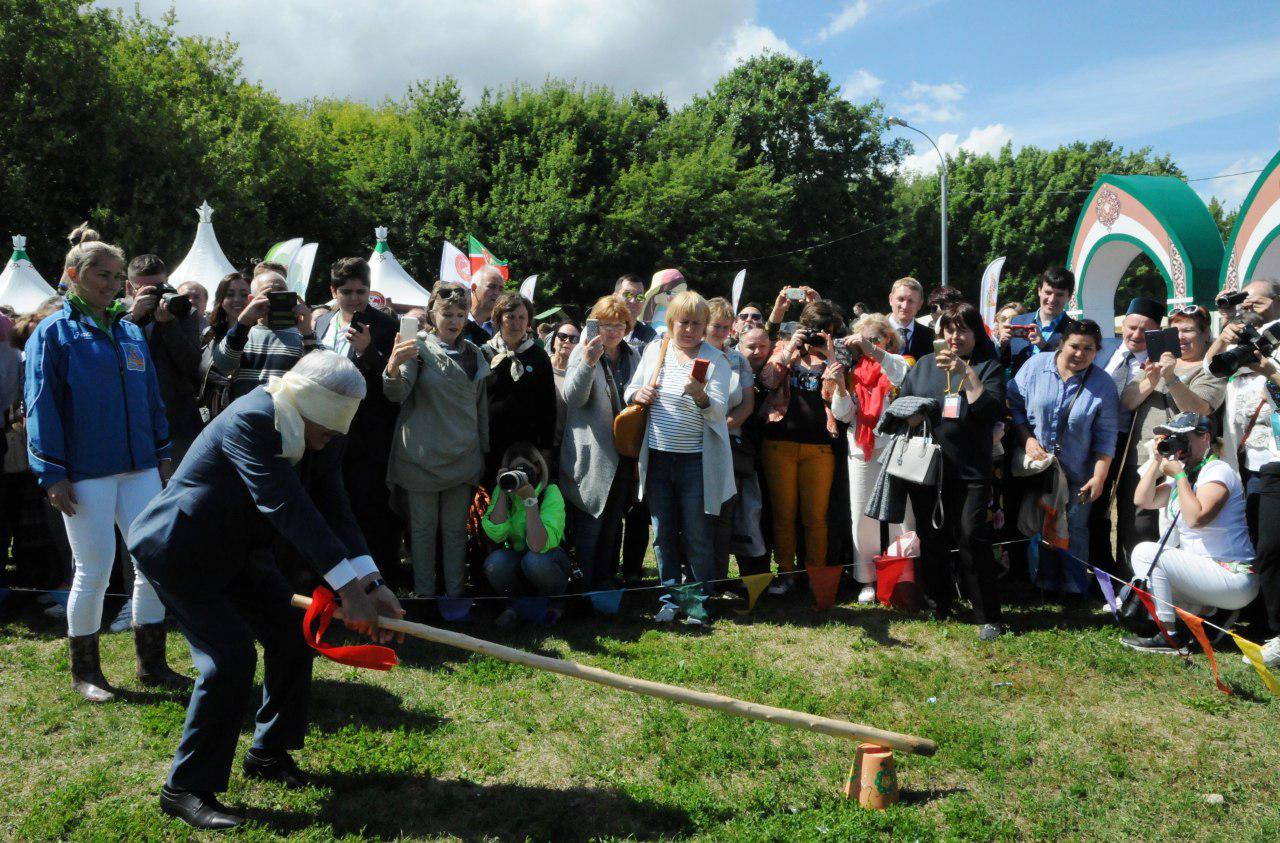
[599, 483]
[1169, 385]
[562, 340]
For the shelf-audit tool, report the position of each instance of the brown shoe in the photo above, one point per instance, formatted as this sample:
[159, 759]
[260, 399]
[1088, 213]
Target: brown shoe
[153, 669]
[86, 669]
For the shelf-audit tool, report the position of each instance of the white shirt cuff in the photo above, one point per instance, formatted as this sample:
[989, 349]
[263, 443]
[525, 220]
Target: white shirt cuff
[339, 575]
[364, 566]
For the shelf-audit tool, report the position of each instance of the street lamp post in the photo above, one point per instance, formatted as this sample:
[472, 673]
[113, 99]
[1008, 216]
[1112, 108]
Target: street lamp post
[942, 171]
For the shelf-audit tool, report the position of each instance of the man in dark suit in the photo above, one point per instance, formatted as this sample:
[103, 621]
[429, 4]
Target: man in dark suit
[906, 297]
[264, 468]
[1054, 290]
[1122, 358]
[365, 336]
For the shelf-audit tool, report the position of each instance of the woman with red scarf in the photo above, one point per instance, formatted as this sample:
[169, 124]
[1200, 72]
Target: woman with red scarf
[870, 387]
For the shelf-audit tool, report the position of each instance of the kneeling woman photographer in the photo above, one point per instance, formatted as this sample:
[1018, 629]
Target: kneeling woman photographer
[526, 518]
[1213, 564]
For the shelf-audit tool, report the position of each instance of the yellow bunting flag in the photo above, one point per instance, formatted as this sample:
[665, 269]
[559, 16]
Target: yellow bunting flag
[756, 584]
[1254, 654]
[1196, 625]
[825, 582]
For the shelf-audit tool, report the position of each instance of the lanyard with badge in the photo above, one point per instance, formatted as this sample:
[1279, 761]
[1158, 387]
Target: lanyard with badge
[1195, 472]
[951, 400]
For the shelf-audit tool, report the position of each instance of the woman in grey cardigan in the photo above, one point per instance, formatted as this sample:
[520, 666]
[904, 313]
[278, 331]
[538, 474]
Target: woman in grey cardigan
[602, 484]
[438, 378]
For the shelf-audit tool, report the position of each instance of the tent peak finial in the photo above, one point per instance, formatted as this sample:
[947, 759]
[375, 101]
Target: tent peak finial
[19, 242]
[205, 211]
[381, 233]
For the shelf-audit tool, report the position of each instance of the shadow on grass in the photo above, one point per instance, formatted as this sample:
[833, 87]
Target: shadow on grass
[337, 705]
[393, 806]
[909, 796]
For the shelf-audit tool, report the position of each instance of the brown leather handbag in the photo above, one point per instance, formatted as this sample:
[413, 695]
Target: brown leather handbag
[629, 426]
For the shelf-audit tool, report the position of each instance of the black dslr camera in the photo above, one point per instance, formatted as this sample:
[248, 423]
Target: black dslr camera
[511, 480]
[1227, 363]
[1174, 446]
[179, 304]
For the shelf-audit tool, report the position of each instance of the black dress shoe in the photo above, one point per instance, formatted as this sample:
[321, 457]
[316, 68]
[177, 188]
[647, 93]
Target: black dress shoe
[276, 767]
[198, 810]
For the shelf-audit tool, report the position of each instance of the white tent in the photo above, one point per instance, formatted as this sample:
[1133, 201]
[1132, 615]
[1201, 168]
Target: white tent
[21, 287]
[389, 277]
[204, 264]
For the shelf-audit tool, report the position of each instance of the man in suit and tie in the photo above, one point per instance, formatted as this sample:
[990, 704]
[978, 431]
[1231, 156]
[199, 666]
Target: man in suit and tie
[1054, 290]
[265, 468]
[364, 335]
[1122, 358]
[906, 297]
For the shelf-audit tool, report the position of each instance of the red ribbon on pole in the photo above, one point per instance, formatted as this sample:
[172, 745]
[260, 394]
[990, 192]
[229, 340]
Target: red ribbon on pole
[372, 656]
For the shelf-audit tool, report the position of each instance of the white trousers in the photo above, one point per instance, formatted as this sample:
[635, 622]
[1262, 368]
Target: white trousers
[102, 504]
[1190, 581]
[866, 531]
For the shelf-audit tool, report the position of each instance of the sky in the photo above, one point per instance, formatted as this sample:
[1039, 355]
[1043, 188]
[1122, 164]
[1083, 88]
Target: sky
[1198, 81]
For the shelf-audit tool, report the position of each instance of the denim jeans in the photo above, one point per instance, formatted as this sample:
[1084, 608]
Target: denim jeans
[516, 574]
[673, 490]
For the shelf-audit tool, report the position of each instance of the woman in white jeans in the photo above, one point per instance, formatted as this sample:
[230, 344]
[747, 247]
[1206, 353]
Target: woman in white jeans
[1212, 564]
[872, 382]
[98, 444]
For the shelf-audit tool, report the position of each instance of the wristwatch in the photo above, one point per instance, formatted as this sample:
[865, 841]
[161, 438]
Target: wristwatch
[528, 502]
[374, 584]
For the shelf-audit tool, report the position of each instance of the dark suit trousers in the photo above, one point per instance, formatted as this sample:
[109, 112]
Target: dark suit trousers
[221, 627]
[1267, 562]
[964, 527]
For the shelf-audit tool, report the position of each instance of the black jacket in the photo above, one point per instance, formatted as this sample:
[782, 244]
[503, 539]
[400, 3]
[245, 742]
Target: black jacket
[966, 441]
[176, 350]
[375, 421]
[922, 337]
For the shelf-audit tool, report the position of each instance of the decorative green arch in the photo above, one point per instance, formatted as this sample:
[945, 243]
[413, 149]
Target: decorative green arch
[1253, 249]
[1159, 216]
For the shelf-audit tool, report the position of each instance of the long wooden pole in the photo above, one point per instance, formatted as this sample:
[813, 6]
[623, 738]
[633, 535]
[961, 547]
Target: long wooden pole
[729, 705]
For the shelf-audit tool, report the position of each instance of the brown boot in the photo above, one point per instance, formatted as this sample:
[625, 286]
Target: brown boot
[148, 640]
[86, 669]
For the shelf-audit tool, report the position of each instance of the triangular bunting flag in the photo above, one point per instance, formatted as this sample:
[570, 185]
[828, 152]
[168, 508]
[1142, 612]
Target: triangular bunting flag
[1108, 591]
[1253, 653]
[479, 257]
[607, 602]
[690, 598]
[1151, 610]
[824, 580]
[532, 609]
[455, 608]
[1196, 625]
[756, 584]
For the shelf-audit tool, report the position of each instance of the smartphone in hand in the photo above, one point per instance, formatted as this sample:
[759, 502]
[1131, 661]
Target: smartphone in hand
[699, 370]
[939, 346]
[590, 330]
[795, 294]
[408, 328]
[280, 305]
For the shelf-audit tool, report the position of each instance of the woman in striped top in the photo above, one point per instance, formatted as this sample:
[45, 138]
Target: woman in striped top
[686, 471]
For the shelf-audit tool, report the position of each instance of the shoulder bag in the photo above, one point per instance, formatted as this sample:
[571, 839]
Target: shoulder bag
[629, 425]
[916, 459]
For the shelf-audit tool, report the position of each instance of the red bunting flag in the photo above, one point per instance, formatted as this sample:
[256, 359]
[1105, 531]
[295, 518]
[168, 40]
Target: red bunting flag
[1196, 625]
[322, 608]
[825, 582]
[1151, 610]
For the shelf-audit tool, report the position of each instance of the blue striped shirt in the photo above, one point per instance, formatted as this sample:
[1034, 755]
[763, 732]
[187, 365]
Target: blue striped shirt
[675, 421]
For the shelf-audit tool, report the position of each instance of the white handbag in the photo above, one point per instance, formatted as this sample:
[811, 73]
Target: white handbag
[916, 459]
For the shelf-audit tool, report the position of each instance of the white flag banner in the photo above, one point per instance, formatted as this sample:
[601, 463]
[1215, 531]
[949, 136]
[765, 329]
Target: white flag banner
[990, 291]
[455, 267]
[738, 281]
[527, 285]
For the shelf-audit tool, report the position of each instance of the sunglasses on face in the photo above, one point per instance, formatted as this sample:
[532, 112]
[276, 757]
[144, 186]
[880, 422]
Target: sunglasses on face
[1186, 310]
[569, 338]
[631, 296]
[750, 317]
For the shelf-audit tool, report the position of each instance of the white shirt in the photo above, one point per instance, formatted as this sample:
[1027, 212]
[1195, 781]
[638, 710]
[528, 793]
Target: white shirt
[910, 327]
[1225, 538]
[1115, 367]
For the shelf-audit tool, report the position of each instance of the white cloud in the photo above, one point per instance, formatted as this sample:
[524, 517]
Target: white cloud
[845, 19]
[932, 103]
[306, 48]
[1231, 190]
[863, 84]
[984, 140]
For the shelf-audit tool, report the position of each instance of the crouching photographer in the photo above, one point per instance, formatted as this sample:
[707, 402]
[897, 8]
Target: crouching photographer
[526, 518]
[1212, 566]
[1250, 429]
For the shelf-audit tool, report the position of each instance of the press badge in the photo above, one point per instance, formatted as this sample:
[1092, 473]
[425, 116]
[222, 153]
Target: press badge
[951, 406]
[133, 357]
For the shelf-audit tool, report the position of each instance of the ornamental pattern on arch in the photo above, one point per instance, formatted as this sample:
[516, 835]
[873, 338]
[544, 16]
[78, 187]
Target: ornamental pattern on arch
[1233, 273]
[1107, 207]
[1178, 271]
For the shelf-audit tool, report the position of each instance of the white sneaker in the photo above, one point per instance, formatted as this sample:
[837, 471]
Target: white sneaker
[867, 595]
[1270, 653]
[780, 586]
[690, 620]
[667, 614]
[124, 618]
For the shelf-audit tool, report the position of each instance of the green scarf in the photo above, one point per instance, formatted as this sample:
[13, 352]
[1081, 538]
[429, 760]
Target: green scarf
[114, 313]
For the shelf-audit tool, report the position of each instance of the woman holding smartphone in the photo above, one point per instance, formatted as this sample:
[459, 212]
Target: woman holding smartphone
[686, 469]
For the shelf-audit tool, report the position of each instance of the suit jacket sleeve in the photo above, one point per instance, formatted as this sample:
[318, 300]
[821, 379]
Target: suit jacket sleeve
[252, 446]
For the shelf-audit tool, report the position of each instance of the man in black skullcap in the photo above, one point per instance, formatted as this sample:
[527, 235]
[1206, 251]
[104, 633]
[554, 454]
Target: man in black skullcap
[1122, 357]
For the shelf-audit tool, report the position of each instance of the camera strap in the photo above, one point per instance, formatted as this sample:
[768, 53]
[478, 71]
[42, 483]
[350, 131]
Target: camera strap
[1066, 417]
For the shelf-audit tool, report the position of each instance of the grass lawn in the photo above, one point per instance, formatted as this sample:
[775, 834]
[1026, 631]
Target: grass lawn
[1091, 741]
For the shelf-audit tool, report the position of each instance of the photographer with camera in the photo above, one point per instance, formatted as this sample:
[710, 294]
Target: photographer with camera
[526, 518]
[271, 334]
[1212, 564]
[172, 328]
[1251, 445]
